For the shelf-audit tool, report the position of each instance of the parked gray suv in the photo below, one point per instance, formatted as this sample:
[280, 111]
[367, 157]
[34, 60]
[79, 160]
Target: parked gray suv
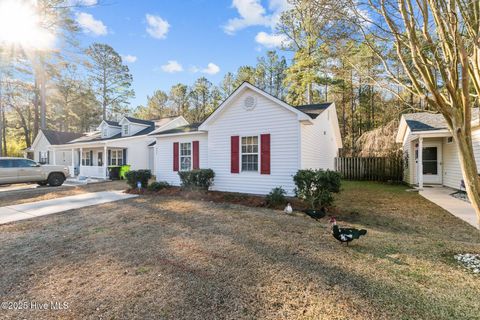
[20, 170]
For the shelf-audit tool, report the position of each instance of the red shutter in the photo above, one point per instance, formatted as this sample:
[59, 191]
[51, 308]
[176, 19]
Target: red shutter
[175, 156]
[265, 154]
[196, 153]
[234, 150]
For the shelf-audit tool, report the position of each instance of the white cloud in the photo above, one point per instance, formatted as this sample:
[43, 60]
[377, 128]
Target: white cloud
[90, 25]
[157, 27]
[252, 13]
[172, 66]
[271, 40]
[129, 58]
[211, 69]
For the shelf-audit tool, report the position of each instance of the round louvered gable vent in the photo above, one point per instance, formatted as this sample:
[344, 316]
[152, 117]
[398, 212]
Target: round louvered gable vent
[249, 102]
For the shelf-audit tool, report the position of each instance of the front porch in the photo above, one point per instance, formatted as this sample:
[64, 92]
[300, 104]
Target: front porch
[92, 161]
[431, 165]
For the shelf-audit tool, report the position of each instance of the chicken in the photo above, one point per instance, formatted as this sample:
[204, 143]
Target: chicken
[345, 234]
[288, 209]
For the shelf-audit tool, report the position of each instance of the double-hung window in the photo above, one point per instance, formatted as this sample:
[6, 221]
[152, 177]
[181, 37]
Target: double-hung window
[86, 158]
[43, 157]
[250, 153]
[185, 156]
[116, 157]
[126, 130]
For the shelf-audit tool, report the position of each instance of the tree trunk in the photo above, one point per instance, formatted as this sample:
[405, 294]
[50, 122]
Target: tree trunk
[36, 103]
[4, 133]
[469, 168]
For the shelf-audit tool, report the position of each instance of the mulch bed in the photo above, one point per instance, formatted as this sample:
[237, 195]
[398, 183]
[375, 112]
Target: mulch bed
[248, 200]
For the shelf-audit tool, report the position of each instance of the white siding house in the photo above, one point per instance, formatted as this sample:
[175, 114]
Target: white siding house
[438, 163]
[253, 142]
[42, 146]
[113, 143]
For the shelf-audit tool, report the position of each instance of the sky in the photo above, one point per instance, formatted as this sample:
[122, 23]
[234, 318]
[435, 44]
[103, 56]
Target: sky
[165, 42]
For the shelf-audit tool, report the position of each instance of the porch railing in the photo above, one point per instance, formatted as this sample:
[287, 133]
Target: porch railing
[93, 171]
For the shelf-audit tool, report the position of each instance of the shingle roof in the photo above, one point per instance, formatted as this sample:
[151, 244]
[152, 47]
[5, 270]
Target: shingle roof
[188, 128]
[112, 123]
[140, 121]
[314, 110]
[97, 136]
[59, 137]
[425, 121]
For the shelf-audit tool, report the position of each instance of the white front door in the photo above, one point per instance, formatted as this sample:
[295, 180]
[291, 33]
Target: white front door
[432, 163]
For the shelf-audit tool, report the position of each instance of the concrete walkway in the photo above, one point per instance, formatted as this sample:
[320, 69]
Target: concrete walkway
[441, 196]
[45, 207]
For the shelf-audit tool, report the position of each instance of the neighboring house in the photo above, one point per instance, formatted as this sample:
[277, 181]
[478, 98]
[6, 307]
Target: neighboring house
[438, 162]
[253, 142]
[40, 151]
[114, 143]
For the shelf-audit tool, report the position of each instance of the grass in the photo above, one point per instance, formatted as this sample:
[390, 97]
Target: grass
[165, 257]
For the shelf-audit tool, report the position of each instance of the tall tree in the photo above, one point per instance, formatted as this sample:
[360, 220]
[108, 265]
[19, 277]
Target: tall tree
[111, 79]
[200, 96]
[157, 107]
[273, 71]
[438, 45]
[178, 97]
[307, 25]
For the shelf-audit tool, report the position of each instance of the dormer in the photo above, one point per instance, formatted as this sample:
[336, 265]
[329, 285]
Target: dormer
[131, 126]
[108, 129]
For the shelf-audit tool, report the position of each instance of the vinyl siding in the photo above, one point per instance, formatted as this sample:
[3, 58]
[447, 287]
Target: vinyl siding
[319, 144]
[137, 151]
[409, 173]
[266, 117]
[452, 175]
[164, 156]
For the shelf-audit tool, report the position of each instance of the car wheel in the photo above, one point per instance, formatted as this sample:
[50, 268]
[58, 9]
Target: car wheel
[42, 183]
[55, 179]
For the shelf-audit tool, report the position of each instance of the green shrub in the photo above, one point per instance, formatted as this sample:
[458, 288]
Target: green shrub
[316, 187]
[158, 185]
[135, 176]
[276, 197]
[197, 179]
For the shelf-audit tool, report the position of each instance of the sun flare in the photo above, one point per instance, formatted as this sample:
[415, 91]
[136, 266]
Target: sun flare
[20, 25]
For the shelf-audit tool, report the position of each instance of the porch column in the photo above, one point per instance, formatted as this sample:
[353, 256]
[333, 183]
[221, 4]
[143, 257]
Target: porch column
[73, 163]
[420, 163]
[81, 154]
[54, 157]
[105, 161]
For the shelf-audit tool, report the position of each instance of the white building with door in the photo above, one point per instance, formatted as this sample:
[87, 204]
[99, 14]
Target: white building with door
[438, 163]
[253, 142]
[113, 143]
[41, 150]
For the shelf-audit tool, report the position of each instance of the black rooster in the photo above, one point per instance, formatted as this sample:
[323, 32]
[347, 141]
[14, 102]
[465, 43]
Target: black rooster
[345, 234]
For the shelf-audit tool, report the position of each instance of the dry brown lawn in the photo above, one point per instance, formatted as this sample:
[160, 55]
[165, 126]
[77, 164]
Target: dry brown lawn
[158, 257]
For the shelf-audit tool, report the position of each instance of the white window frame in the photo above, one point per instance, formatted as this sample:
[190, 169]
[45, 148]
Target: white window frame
[117, 155]
[43, 158]
[180, 156]
[125, 129]
[250, 153]
[86, 160]
[449, 140]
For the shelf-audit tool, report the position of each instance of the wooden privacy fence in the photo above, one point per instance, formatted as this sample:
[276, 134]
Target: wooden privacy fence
[370, 169]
